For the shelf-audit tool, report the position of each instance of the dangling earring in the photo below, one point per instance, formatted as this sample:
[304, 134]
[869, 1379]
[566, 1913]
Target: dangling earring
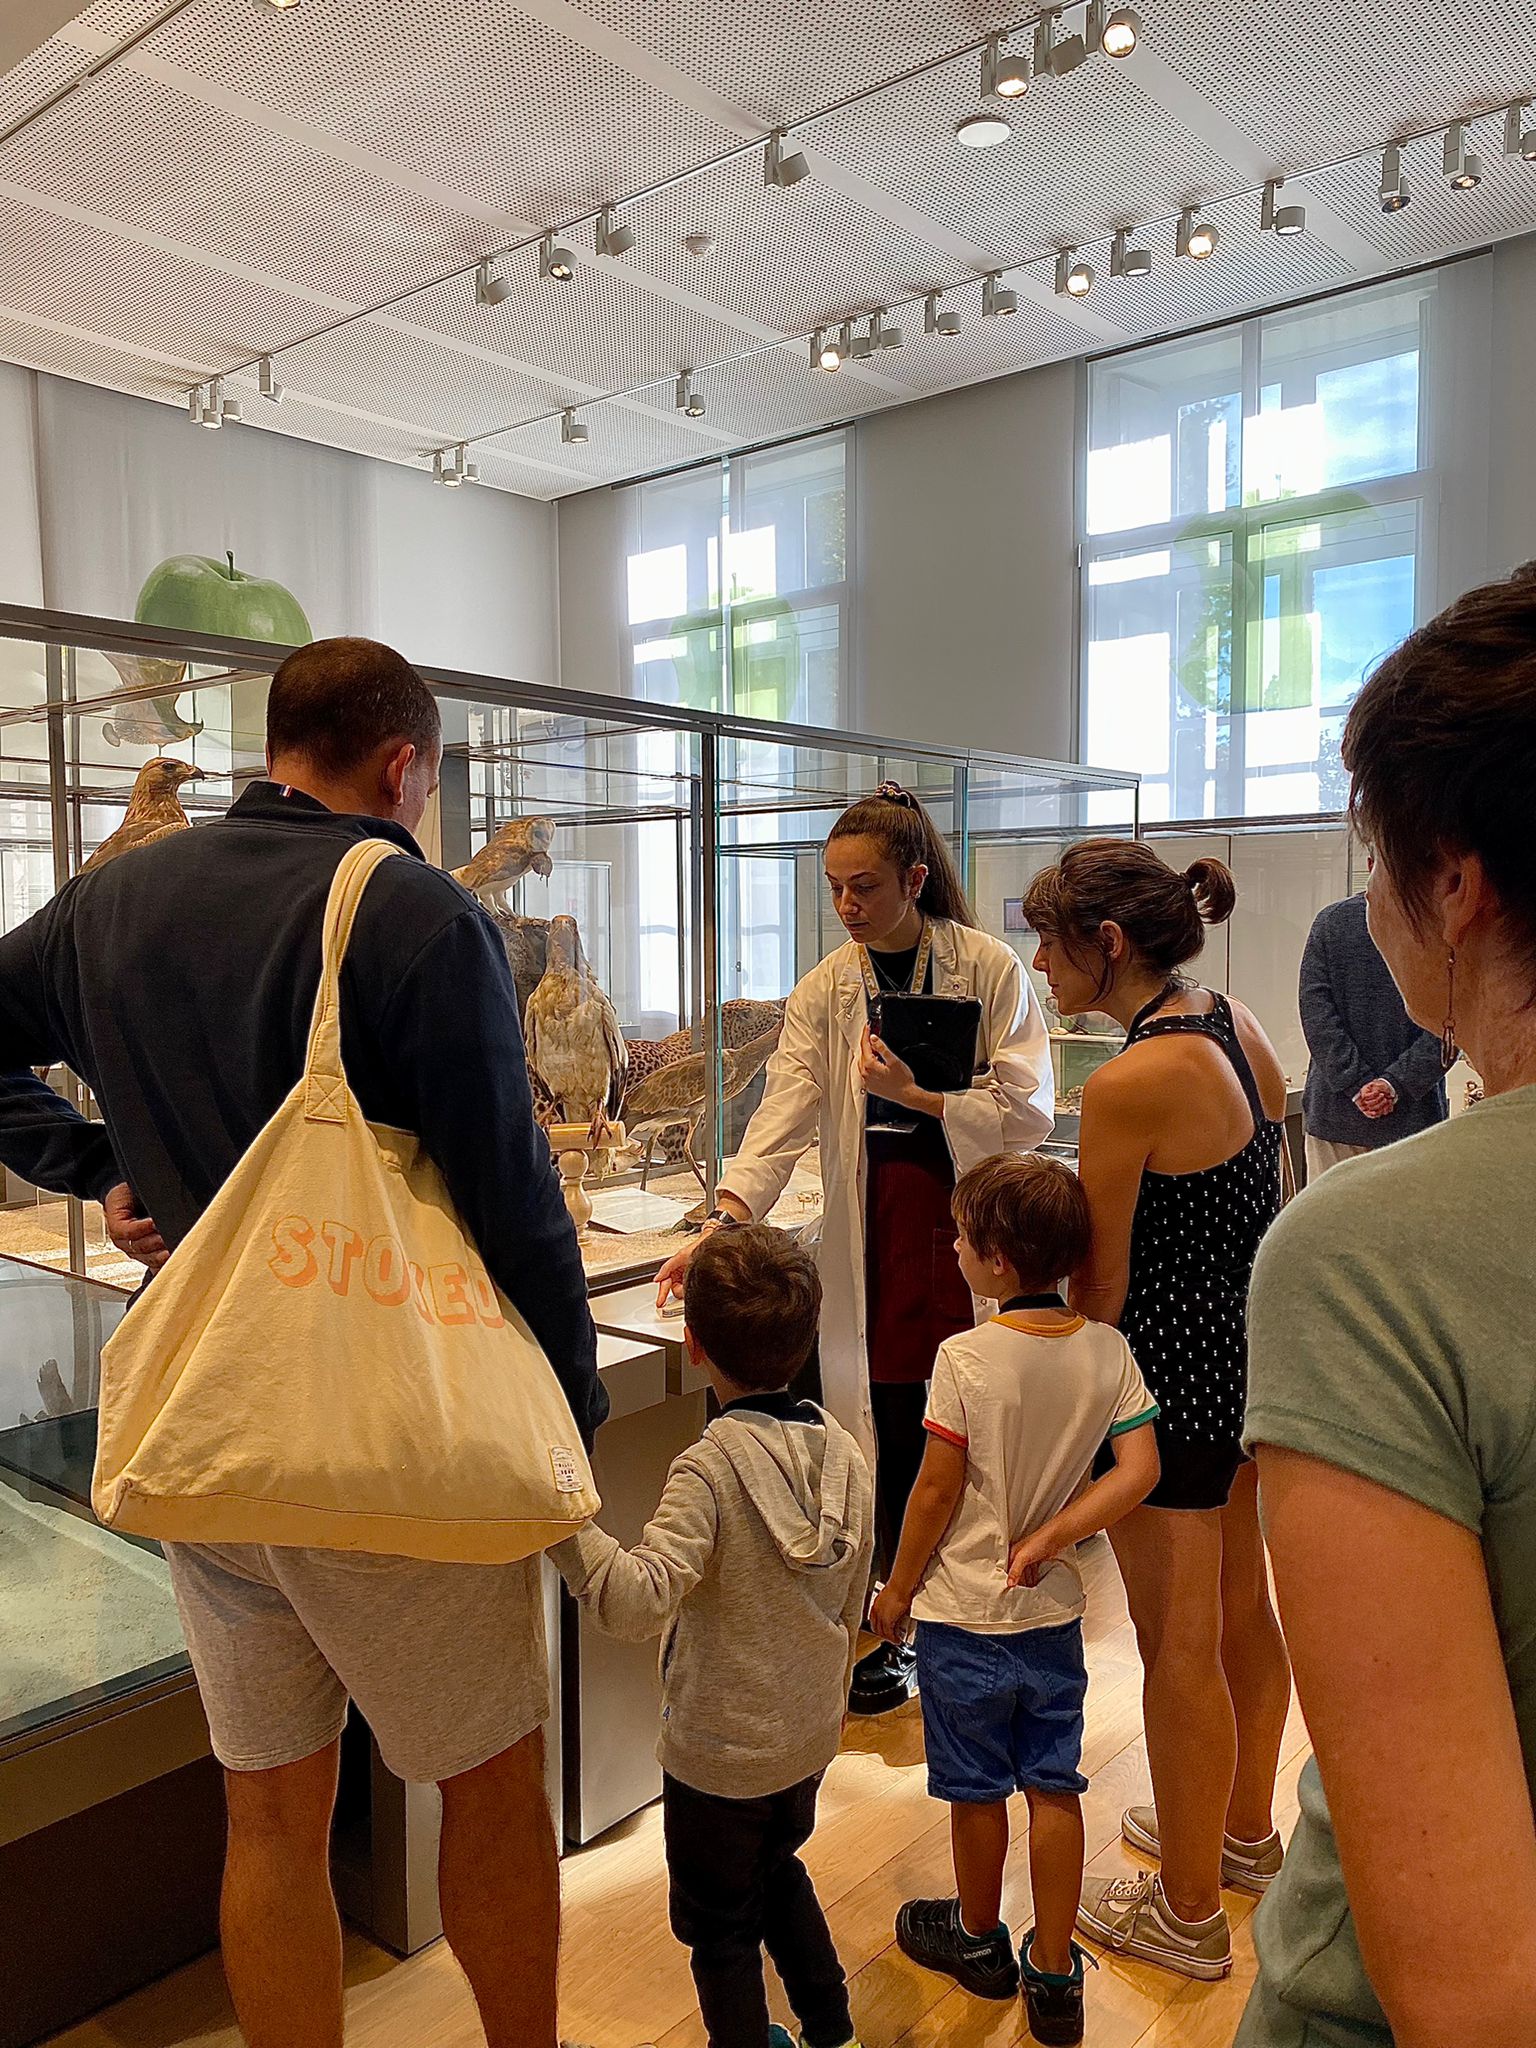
[1450, 1051]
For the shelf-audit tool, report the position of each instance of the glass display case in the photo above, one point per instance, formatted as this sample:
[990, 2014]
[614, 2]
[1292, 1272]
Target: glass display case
[685, 846]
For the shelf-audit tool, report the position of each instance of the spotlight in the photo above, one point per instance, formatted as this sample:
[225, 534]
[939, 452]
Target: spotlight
[1279, 220]
[687, 400]
[1460, 164]
[881, 336]
[1197, 238]
[982, 131]
[1117, 34]
[1518, 139]
[699, 245]
[571, 428]
[468, 472]
[213, 405]
[828, 350]
[610, 240]
[1056, 58]
[555, 260]
[1002, 77]
[994, 299]
[1394, 186]
[861, 348]
[1074, 280]
[779, 169]
[276, 6]
[195, 405]
[491, 287]
[935, 322]
[266, 382]
[1124, 262]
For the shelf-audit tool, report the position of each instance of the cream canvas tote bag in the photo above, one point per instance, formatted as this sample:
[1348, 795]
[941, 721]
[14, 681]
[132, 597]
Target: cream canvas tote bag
[324, 1360]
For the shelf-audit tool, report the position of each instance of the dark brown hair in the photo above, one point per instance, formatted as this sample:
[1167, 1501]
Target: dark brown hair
[337, 702]
[1122, 881]
[1441, 745]
[752, 1298]
[1028, 1210]
[907, 836]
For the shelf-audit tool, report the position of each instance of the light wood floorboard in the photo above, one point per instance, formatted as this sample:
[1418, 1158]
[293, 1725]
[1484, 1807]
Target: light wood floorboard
[880, 1840]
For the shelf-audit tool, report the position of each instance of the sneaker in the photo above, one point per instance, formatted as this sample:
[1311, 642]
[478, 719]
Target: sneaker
[1130, 1916]
[1054, 2004]
[929, 1931]
[781, 2037]
[1245, 1866]
[886, 1678]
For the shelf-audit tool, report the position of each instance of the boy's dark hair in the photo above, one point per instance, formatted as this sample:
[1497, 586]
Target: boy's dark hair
[337, 702]
[753, 1299]
[1028, 1210]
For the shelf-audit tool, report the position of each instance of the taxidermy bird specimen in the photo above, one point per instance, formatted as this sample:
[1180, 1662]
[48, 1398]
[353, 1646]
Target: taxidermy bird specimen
[674, 1095]
[154, 810]
[572, 1031]
[517, 847]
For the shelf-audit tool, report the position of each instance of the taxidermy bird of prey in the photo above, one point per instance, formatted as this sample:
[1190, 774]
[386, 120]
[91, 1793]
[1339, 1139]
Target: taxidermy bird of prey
[153, 810]
[674, 1094]
[575, 1045]
[517, 847]
[525, 940]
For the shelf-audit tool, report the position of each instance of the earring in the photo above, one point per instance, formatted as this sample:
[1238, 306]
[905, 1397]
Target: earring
[1450, 1051]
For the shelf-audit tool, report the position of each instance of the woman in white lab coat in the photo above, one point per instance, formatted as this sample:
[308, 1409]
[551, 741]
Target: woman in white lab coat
[891, 1283]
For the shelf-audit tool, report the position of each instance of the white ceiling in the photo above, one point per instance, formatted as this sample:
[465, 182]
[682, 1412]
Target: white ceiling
[240, 178]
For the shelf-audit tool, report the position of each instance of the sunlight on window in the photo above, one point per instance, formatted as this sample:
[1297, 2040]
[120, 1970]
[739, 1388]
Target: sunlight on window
[1284, 453]
[1128, 689]
[1130, 485]
[658, 584]
[1129, 568]
[752, 561]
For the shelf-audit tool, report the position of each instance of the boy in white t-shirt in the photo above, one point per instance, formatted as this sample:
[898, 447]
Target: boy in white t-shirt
[1017, 1410]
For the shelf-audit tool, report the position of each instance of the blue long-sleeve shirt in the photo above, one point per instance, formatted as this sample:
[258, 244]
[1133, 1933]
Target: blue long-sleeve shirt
[179, 981]
[1358, 1031]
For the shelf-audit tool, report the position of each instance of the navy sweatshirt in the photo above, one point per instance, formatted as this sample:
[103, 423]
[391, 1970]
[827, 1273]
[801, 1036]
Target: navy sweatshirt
[179, 982]
[1357, 1031]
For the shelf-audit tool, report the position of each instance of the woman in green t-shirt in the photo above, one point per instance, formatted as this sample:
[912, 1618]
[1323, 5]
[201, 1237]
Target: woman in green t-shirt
[1393, 1409]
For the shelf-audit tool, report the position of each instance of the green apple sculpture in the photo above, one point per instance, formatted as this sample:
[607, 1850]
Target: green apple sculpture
[195, 594]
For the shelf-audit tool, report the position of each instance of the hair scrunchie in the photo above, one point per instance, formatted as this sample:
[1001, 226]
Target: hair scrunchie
[895, 794]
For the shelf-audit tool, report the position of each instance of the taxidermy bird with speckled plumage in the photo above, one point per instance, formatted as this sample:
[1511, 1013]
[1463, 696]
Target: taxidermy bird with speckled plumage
[154, 810]
[517, 847]
[574, 1042]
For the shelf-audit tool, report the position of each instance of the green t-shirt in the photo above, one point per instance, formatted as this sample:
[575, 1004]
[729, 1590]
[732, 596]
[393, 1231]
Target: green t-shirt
[1392, 1333]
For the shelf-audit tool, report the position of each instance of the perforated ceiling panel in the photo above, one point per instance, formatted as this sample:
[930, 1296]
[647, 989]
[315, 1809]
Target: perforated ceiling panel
[244, 176]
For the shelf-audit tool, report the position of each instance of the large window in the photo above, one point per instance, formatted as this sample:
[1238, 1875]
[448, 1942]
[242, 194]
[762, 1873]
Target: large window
[736, 584]
[1258, 503]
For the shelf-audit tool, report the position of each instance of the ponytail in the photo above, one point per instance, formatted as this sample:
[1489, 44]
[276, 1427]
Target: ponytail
[908, 838]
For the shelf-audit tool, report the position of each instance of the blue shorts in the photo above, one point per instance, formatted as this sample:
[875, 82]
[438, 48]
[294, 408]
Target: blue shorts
[1001, 1714]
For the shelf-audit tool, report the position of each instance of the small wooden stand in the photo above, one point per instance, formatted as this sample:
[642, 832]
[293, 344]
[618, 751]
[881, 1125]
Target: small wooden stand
[575, 1152]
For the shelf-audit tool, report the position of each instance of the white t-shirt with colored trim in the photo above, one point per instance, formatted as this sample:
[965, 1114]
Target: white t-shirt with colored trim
[1030, 1396]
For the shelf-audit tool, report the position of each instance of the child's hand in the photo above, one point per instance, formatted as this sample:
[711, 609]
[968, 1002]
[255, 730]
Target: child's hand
[889, 1616]
[1029, 1561]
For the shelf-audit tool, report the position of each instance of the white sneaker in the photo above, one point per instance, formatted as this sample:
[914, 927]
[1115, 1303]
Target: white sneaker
[1130, 1917]
[1245, 1866]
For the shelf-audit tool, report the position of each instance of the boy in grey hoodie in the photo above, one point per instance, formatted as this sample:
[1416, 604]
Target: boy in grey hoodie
[753, 1572]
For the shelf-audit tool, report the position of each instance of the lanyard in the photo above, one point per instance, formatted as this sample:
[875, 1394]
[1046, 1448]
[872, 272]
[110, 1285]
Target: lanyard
[919, 966]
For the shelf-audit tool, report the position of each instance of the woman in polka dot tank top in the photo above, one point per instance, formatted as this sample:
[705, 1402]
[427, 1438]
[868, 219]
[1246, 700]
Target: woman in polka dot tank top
[1180, 1157]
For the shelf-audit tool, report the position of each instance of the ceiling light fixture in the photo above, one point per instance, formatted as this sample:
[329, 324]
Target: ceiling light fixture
[982, 131]
[1461, 165]
[699, 244]
[266, 382]
[195, 405]
[1074, 279]
[1056, 58]
[1197, 238]
[608, 238]
[571, 428]
[1002, 77]
[1394, 186]
[881, 336]
[1116, 34]
[1275, 219]
[827, 350]
[555, 260]
[212, 414]
[937, 322]
[779, 169]
[276, 6]
[491, 285]
[1126, 262]
[686, 399]
[469, 472]
[1518, 139]
[994, 300]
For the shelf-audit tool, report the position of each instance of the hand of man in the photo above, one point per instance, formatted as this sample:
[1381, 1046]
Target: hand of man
[889, 1616]
[1376, 1099]
[135, 1235]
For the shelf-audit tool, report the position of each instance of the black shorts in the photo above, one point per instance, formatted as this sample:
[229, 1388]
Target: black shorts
[1197, 1473]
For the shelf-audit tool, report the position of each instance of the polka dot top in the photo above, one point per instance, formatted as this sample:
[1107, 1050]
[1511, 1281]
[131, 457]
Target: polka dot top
[1193, 1243]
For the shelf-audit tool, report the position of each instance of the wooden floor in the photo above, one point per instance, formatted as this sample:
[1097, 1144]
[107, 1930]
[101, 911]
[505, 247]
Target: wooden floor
[881, 1840]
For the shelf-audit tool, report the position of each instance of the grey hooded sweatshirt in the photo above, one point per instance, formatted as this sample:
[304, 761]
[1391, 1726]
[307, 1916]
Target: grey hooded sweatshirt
[753, 1571]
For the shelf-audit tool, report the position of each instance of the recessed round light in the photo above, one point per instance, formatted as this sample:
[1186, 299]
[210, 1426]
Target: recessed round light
[982, 131]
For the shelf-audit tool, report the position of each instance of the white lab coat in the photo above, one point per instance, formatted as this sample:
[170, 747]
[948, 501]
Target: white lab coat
[813, 1091]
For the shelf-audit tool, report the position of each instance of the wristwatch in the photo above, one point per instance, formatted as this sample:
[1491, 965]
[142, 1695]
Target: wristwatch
[722, 1219]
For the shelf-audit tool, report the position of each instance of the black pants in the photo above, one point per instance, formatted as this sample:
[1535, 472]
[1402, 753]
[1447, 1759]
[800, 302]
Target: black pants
[737, 1887]
[900, 1441]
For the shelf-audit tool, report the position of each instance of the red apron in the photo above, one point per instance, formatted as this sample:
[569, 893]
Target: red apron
[915, 1296]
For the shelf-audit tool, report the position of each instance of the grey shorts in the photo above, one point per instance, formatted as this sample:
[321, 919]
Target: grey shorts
[447, 1662]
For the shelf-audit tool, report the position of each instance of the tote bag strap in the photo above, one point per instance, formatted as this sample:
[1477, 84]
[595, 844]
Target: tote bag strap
[325, 1083]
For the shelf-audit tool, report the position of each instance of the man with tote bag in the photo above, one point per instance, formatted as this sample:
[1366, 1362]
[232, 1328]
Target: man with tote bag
[180, 982]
